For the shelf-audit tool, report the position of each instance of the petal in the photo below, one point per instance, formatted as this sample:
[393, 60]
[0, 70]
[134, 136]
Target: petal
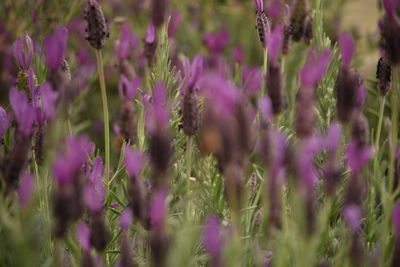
[346, 45]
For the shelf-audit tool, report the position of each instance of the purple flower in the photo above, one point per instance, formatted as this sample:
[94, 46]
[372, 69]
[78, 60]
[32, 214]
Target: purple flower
[94, 193]
[23, 51]
[158, 209]
[275, 9]
[114, 205]
[175, 22]
[314, 68]
[358, 156]
[238, 54]
[25, 189]
[259, 5]
[134, 161]
[390, 6]
[212, 237]
[274, 42]
[396, 219]
[55, 46]
[252, 79]
[221, 94]
[4, 122]
[127, 43]
[217, 41]
[305, 161]
[333, 137]
[48, 99]
[126, 219]
[157, 113]
[127, 88]
[346, 45]
[83, 234]
[352, 214]
[266, 107]
[67, 165]
[192, 72]
[150, 34]
[23, 111]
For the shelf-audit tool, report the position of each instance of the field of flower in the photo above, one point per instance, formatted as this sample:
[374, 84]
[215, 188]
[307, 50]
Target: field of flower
[199, 133]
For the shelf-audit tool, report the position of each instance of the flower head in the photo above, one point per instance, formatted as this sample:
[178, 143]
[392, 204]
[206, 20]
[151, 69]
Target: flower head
[23, 51]
[94, 193]
[67, 165]
[127, 43]
[55, 46]
[212, 238]
[83, 234]
[126, 219]
[333, 137]
[158, 208]
[275, 40]
[157, 113]
[150, 34]
[192, 72]
[315, 68]
[23, 111]
[358, 156]
[217, 41]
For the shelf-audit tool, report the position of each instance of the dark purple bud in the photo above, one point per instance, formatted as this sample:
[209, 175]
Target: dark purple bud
[308, 30]
[275, 88]
[97, 29]
[360, 130]
[383, 75]
[389, 27]
[287, 31]
[298, 19]
[262, 23]
[99, 234]
[158, 12]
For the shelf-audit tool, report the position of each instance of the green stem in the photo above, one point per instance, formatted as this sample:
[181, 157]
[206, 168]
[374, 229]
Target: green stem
[189, 149]
[377, 138]
[394, 107]
[265, 69]
[105, 114]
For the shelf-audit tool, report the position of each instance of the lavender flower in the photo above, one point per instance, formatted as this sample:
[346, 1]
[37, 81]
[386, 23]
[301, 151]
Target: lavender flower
[97, 29]
[128, 42]
[175, 22]
[213, 240]
[83, 234]
[383, 75]
[159, 240]
[262, 23]
[23, 51]
[126, 248]
[23, 111]
[238, 55]
[352, 214]
[252, 79]
[158, 11]
[55, 46]
[298, 19]
[189, 106]
[126, 219]
[217, 41]
[389, 27]
[150, 44]
[94, 191]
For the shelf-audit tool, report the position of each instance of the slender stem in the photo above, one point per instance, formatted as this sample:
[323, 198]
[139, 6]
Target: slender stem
[378, 137]
[105, 113]
[265, 69]
[394, 107]
[189, 149]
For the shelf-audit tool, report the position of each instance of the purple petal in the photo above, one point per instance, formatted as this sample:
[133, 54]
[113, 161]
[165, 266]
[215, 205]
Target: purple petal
[212, 238]
[252, 78]
[49, 98]
[333, 137]
[217, 41]
[221, 94]
[305, 161]
[68, 164]
[274, 42]
[192, 72]
[126, 219]
[357, 157]
[134, 160]
[275, 9]
[94, 193]
[175, 22]
[126, 88]
[158, 208]
[4, 122]
[315, 68]
[259, 5]
[83, 234]
[352, 214]
[266, 107]
[23, 51]
[55, 46]
[23, 111]
[238, 54]
[396, 219]
[390, 6]
[128, 42]
[346, 45]
[25, 189]
[150, 34]
[157, 113]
